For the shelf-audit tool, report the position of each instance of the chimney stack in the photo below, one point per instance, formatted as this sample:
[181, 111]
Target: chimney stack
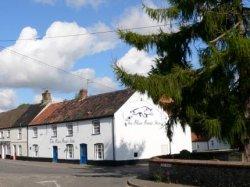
[46, 97]
[83, 94]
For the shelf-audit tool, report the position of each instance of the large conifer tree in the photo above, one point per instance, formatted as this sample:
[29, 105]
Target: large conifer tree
[214, 98]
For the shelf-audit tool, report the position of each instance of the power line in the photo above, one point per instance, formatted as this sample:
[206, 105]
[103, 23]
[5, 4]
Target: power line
[84, 34]
[55, 67]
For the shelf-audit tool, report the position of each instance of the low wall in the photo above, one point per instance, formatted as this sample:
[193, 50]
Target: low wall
[223, 155]
[200, 172]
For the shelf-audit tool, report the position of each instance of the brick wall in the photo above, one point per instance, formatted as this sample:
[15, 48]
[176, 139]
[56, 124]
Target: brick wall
[200, 172]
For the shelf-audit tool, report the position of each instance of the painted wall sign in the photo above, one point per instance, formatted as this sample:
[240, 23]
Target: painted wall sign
[62, 141]
[143, 114]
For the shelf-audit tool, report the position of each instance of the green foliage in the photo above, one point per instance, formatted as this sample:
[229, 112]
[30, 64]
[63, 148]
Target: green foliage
[212, 98]
[185, 154]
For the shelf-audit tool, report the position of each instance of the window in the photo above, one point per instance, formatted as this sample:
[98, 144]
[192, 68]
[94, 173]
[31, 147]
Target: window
[135, 154]
[8, 133]
[99, 152]
[19, 150]
[70, 150]
[8, 150]
[35, 132]
[70, 130]
[54, 131]
[1, 134]
[212, 143]
[35, 148]
[96, 127]
[19, 134]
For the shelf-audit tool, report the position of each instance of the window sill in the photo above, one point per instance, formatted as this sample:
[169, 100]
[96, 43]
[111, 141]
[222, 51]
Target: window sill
[96, 134]
[69, 135]
[34, 137]
[53, 136]
[99, 159]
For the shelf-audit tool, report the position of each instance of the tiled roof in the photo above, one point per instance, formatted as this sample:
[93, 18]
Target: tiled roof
[96, 106]
[198, 138]
[19, 117]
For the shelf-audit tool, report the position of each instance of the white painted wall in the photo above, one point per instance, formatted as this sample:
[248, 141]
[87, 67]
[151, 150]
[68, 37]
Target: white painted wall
[212, 144]
[215, 143]
[143, 134]
[82, 133]
[200, 146]
[14, 141]
[17, 142]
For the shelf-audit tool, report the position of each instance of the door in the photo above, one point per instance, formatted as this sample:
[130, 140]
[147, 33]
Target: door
[83, 154]
[55, 154]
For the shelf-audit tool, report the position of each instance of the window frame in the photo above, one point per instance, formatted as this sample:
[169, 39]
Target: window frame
[54, 131]
[8, 134]
[19, 136]
[35, 132]
[36, 150]
[70, 130]
[96, 125]
[70, 151]
[20, 150]
[99, 151]
[1, 135]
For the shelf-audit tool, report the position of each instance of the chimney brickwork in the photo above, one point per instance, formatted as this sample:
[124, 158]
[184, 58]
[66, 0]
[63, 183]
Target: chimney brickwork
[83, 94]
[46, 97]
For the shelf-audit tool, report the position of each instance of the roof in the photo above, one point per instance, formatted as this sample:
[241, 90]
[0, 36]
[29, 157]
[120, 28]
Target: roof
[97, 106]
[20, 116]
[198, 138]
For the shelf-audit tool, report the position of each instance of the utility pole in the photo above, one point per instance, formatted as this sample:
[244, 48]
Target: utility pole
[87, 83]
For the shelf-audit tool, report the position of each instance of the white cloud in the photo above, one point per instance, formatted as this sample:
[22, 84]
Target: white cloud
[18, 71]
[38, 99]
[136, 62]
[135, 17]
[104, 84]
[7, 99]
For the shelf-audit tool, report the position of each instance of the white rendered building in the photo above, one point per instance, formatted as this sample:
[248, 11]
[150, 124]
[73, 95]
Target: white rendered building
[116, 126]
[201, 144]
[14, 130]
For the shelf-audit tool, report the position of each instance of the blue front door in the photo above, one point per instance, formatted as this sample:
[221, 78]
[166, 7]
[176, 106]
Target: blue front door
[83, 154]
[55, 154]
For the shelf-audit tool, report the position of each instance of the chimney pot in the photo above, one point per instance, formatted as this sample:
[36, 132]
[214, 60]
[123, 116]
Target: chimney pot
[83, 94]
[46, 97]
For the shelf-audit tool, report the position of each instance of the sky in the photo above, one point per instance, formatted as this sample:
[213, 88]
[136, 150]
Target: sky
[32, 59]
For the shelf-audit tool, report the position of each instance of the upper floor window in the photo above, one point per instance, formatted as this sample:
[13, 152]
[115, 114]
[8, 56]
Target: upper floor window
[8, 133]
[1, 134]
[35, 132]
[70, 129]
[19, 134]
[99, 151]
[96, 127]
[54, 131]
[70, 150]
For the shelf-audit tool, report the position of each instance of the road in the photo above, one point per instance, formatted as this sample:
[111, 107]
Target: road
[43, 174]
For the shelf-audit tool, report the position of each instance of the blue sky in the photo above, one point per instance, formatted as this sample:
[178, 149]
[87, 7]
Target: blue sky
[90, 56]
[23, 80]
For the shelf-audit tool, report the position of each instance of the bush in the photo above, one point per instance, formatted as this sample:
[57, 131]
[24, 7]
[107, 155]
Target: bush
[185, 154]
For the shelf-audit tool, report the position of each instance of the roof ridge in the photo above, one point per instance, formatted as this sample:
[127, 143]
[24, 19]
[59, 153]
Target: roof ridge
[101, 94]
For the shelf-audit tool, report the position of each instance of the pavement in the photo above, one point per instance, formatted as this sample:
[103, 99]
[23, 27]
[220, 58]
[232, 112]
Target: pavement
[15, 173]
